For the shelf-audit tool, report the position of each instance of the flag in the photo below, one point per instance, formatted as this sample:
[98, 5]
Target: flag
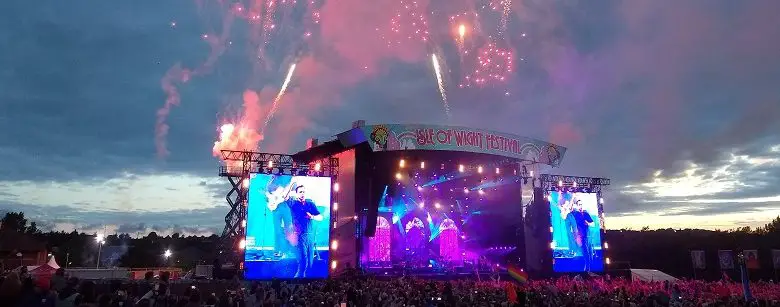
[697, 258]
[518, 274]
[751, 259]
[726, 259]
[776, 258]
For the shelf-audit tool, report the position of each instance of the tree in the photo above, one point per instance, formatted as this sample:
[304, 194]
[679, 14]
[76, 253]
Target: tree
[15, 221]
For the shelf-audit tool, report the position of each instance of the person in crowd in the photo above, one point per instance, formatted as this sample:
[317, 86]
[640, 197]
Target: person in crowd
[11, 289]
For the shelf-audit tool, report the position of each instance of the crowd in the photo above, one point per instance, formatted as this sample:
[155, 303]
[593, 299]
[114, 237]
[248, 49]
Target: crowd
[20, 289]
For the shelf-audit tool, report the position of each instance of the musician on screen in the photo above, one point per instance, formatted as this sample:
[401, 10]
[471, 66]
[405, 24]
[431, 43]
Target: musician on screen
[277, 192]
[303, 211]
[578, 223]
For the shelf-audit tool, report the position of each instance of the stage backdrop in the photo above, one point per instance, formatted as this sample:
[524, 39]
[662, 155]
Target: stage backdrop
[283, 232]
[576, 228]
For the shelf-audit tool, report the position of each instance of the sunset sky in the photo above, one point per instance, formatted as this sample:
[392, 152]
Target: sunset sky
[677, 102]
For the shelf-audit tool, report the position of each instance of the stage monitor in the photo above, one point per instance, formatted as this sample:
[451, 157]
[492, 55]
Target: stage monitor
[287, 231]
[576, 232]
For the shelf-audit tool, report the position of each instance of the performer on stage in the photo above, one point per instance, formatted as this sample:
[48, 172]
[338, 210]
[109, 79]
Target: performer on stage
[303, 211]
[578, 222]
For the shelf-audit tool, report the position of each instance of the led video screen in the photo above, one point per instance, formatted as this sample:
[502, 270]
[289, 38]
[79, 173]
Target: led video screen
[576, 232]
[287, 231]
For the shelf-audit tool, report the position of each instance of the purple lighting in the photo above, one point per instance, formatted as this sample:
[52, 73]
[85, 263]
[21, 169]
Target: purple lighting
[449, 248]
[379, 245]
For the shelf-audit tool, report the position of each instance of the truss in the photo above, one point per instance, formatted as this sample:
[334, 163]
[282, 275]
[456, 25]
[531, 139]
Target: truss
[549, 182]
[238, 167]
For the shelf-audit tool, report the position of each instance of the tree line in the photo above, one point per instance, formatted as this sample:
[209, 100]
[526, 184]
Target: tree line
[667, 250]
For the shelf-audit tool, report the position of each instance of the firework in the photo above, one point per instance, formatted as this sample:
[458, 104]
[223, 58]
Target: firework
[408, 24]
[494, 64]
[440, 82]
[505, 7]
[278, 97]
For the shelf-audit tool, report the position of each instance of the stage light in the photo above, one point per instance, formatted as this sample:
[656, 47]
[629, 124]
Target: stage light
[243, 223]
[334, 245]
[421, 205]
[551, 229]
[560, 183]
[481, 192]
[398, 176]
[479, 169]
[461, 168]
[334, 225]
[601, 200]
[401, 163]
[245, 183]
[442, 166]
[336, 187]
[419, 188]
[552, 245]
[531, 173]
[574, 184]
[465, 190]
[242, 244]
[607, 260]
[355, 217]
[317, 167]
[335, 206]
[333, 265]
[270, 164]
[437, 205]
[498, 171]
[606, 245]
[422, 164]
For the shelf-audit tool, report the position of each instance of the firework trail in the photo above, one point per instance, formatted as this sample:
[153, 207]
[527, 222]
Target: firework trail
[278, 97]
[440, 82]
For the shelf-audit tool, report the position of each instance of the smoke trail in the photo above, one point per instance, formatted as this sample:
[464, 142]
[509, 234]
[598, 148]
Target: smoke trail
[440, 82]
[278, 97]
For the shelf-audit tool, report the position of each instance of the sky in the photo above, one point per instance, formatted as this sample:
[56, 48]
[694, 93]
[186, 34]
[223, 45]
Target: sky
[110, 109]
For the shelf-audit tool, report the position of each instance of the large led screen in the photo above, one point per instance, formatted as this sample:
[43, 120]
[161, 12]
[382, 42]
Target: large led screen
[576, 231]
[287, 232]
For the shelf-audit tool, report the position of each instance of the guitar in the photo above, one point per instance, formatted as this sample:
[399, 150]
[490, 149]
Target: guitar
[278, 196]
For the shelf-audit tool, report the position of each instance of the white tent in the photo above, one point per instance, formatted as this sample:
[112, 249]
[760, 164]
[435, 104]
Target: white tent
[650, 275]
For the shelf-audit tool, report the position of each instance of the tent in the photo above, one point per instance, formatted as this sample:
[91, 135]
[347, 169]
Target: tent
[43, 273]
[650, 275]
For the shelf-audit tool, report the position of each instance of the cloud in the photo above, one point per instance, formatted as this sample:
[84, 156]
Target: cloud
[727, 191]
[631, 88]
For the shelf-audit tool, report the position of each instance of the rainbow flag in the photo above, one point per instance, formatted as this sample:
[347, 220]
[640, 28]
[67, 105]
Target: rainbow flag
[517, 273]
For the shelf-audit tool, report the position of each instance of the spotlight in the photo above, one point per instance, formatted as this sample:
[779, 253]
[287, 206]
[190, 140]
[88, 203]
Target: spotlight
[245, 183]
[398, 176]
[422, 164]
[334, 245]
[317, 167]
[498, 171]
[421, 205]
[479, 169]
[270, 164]
[333, 265]
[335, 206]
[560, 183]
[461, 168]
[419, 188]
[601, 200]
[437, 205]
[606, 245]
[243, 223]
[465, 190]
[481, 192]
[607, 261]
[336, 187]
[242, 244]
[574, 184]
[401, 163]
[531, 173]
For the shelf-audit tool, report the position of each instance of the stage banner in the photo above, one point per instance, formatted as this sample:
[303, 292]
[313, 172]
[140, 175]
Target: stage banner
[430, 137]
[776, 258]
[751, 259]
[698, 260]
[726, 259]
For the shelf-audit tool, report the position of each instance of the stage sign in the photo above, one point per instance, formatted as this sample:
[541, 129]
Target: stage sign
[429, 137]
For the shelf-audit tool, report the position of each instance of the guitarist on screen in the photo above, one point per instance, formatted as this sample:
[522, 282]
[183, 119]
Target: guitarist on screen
[276, 193]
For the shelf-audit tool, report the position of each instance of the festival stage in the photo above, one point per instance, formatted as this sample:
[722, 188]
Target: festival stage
[430, 201]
